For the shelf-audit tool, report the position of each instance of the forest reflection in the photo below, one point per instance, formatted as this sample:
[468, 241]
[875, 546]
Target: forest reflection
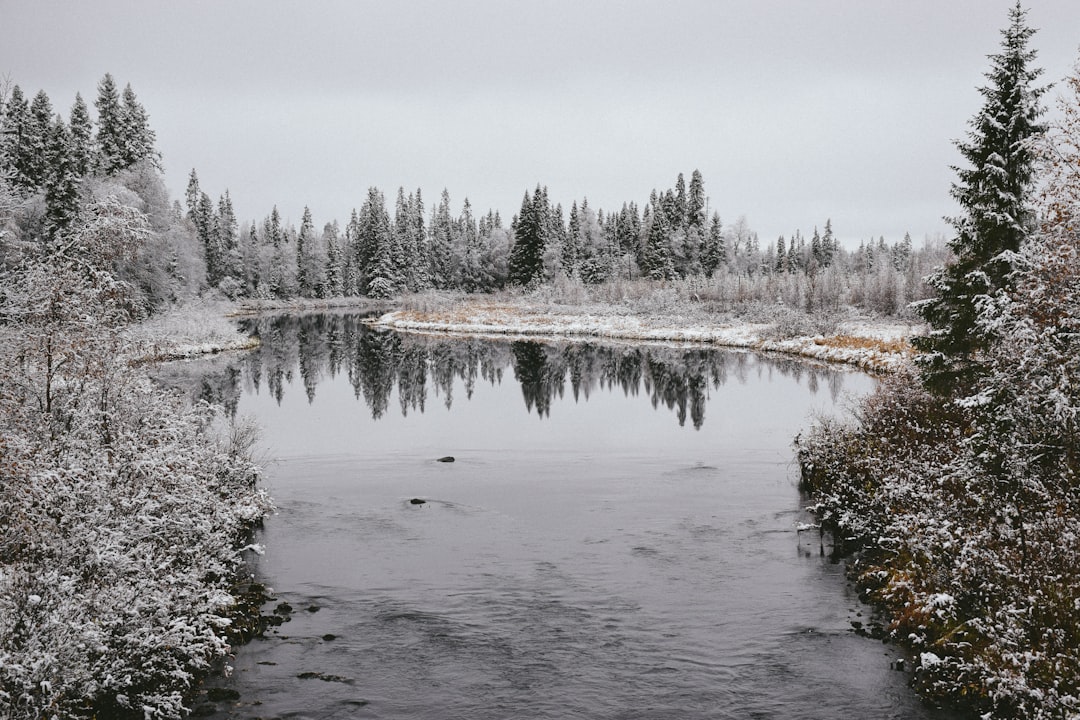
[427, 368]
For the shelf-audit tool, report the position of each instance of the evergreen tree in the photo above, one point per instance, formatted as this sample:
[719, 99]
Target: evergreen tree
[829, 244]
[530, 239]
[252, 268]
[34, 161]
[16, 123]
[110, 133]
[414, 244]
[206, 227]
[715, 255]
[138, 138]
[695, 201]
[305, 279]
[61, 181]
[571, 249]
[334, 270]
[679, 215]
[192, 195]
[440, 244]
[657, 260]
[229, 238]
[376, 241]
[82, 137]
[994, 193]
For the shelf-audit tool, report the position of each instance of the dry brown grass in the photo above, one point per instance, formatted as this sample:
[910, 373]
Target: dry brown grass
[901, 347]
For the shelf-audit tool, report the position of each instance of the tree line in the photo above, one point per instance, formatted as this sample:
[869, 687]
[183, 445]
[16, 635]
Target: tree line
[53, 167]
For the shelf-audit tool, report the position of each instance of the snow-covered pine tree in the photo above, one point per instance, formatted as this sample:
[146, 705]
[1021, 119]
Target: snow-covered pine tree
[830, 246]
[656, 257]
[82, 136]
[530, 239]
[304, 272]
[138, 138]
[61, 181]
[376, 237]
[440, 250]
[715, 255]
[678, 211]
[695, 201]
[229, 234]
[994, 193]
[35, 145]
[110, 127]
[16, 121]
[334, 271]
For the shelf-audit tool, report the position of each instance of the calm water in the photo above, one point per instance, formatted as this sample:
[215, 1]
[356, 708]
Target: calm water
[616, 539]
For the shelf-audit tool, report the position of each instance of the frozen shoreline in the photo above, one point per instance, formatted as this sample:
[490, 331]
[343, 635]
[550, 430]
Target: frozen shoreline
[876, 347]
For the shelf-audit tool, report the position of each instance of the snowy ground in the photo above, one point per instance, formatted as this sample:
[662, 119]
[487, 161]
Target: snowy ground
[190, 330]
[868, 344]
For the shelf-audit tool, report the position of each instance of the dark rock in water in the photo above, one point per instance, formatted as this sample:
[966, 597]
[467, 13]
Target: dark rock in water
[204, 710]
[329, 636]
[218, 694]
[448, 458]
[313, 608]
[417, 501]
[283, 609]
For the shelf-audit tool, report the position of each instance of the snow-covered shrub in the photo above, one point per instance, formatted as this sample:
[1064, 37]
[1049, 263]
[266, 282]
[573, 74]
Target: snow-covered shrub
[967, 505]
[121, 511]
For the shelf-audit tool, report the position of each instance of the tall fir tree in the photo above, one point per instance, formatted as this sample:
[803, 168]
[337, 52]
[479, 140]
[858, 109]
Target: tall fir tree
[440, 244]
[16, 129]
[305, 273]
[334, 271]
[695, 201]
[995, 193]
[61, 181]
[678, 215]
[36, 145]
[138, 138]
[82, 137]
[110, 127]
[530, 239]
[229, 234]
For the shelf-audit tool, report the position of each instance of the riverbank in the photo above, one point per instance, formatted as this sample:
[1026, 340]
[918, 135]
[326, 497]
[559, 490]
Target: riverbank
[126, 511]
[870, 344]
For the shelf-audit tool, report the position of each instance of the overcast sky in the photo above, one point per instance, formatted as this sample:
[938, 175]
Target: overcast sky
[793, 110]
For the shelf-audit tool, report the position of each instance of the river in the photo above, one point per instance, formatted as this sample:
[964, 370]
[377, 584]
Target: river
[617, 537]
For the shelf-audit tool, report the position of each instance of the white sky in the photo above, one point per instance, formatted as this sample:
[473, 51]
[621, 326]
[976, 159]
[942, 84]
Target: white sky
[794, 110]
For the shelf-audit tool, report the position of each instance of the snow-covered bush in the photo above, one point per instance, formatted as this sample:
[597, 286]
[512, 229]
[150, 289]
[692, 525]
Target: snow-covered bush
[121, 511]
[966, 507]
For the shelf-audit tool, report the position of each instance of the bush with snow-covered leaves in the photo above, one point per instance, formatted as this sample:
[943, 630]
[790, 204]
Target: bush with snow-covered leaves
[967, 508]
[121, 510]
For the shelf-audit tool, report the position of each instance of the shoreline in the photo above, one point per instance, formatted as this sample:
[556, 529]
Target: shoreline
[874, 348]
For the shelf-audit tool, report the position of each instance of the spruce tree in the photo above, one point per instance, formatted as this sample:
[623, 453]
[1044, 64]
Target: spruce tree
[16, 123]
[61, 181]
[34, 161]
[110, 134]
[695, 201]
[138, 138]
[530, 239]
[82, 137]
[305, 279]
[994, 193]
[440, 241]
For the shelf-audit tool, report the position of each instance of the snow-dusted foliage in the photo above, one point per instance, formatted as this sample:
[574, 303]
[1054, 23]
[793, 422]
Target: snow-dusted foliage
[967, 507]
[121, 510]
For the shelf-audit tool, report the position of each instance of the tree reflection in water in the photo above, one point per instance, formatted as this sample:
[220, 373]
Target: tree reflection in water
[378, 362]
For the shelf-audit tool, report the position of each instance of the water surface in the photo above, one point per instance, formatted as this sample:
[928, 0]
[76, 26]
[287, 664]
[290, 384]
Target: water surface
[616, 539]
